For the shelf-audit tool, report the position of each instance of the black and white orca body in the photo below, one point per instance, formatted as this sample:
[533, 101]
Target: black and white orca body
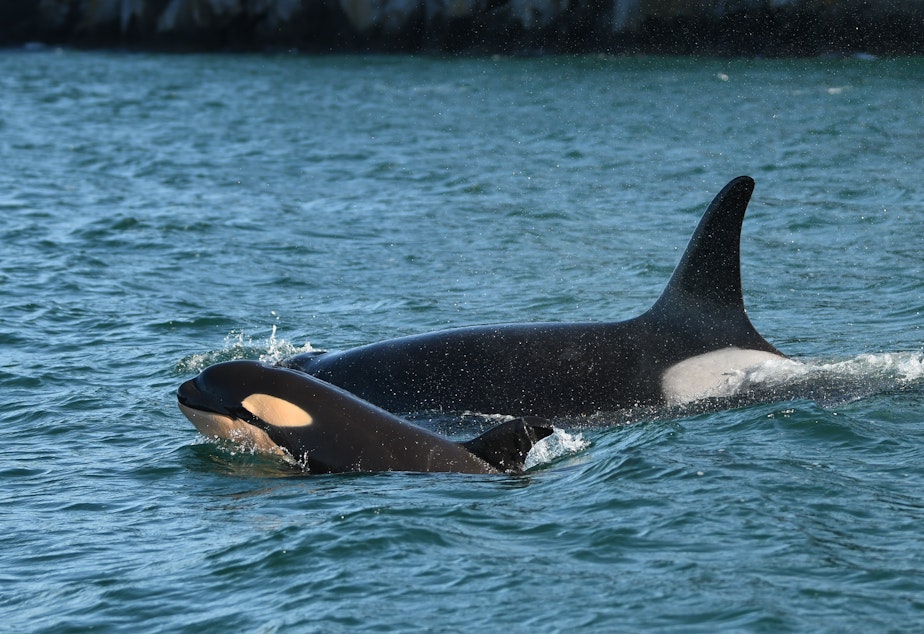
[678, 351]
[329, 430]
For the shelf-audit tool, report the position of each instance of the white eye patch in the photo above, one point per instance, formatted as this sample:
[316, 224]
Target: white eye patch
[276, 411]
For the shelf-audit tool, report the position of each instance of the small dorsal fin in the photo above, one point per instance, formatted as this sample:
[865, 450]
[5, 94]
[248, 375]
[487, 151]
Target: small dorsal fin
[505, 446]
[706, 285]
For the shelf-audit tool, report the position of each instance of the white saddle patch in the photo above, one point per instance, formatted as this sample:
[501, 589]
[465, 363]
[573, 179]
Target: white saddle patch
[714, 374]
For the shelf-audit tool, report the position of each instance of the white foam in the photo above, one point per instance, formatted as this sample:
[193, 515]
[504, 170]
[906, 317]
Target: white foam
[559, 444]
[827, 380]
[903, 367]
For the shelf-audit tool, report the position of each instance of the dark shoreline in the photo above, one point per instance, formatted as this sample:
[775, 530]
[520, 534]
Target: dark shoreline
[765, 28]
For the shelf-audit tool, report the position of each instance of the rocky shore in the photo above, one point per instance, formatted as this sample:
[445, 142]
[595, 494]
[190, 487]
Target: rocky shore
[686, 27]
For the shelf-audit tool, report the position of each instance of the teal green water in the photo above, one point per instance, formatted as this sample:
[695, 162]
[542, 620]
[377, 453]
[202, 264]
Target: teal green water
[160, 213]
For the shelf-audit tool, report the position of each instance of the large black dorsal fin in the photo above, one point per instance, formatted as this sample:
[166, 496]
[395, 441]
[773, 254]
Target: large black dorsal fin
[706, 285]
[505, 447]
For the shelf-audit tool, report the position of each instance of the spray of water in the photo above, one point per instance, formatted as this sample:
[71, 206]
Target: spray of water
[240, 345]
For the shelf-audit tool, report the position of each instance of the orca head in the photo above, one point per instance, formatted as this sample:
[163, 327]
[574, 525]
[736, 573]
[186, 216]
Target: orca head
[242, 401]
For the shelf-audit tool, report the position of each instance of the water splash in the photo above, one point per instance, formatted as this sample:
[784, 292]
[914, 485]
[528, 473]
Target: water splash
[239, 345]
[550, 448]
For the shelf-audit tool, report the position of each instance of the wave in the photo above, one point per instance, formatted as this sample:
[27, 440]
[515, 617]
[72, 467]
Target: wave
[831, 382]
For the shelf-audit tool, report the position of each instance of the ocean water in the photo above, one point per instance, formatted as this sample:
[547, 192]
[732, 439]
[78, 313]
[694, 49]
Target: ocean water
[161, 213]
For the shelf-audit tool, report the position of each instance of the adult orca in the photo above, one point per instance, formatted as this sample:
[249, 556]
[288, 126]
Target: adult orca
[329, 430]
[678, 351]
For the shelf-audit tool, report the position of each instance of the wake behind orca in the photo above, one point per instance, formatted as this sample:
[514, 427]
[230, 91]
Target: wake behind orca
[676, 352]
